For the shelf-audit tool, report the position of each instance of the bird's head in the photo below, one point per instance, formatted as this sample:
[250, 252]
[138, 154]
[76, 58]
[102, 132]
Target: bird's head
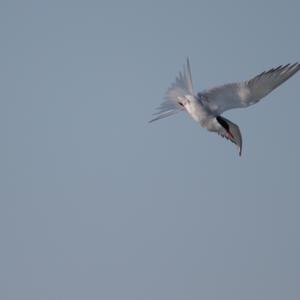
[230, 131]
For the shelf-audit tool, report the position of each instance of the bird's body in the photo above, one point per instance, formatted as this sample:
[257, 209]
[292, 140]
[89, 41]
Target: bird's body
[207, 106]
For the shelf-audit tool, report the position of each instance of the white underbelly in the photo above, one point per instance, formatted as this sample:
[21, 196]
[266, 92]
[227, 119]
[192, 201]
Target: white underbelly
[197, 112]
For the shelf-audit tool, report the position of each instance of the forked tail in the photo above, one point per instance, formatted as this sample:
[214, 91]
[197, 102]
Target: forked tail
[182, 87]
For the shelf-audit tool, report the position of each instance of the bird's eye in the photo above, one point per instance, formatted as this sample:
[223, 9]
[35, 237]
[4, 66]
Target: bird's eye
[223, 123]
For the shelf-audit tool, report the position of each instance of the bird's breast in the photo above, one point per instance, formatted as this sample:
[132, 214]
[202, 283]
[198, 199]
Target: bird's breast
[197, 111]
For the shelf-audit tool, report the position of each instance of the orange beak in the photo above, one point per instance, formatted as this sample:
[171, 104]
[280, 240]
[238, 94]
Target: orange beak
[230, 135]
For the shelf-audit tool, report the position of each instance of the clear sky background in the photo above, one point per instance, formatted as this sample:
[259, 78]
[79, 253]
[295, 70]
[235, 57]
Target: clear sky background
[98, 204]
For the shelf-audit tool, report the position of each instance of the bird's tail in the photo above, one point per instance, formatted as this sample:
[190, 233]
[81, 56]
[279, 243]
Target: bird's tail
[182, 87]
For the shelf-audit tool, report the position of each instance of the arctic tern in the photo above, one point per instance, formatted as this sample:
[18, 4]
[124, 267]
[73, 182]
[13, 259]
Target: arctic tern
[207, 106]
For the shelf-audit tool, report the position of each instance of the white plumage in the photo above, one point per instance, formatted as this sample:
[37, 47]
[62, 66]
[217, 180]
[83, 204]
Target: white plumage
[207, 106]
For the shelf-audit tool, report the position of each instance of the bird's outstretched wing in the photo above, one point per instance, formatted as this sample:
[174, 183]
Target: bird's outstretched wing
[182, 87]
[243, 94]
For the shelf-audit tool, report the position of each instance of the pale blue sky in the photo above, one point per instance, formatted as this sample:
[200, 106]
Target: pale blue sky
[98, 204]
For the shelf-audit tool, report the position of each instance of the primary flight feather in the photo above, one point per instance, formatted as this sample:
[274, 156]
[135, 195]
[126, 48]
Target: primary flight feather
[207, 106]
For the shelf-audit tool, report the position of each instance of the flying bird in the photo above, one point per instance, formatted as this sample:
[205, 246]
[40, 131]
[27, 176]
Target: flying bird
[206, 107]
